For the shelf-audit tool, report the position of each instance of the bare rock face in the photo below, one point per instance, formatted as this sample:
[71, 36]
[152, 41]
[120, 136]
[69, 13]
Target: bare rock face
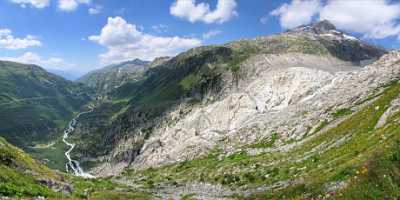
[286, 94]
[57, 186]
[317, 28]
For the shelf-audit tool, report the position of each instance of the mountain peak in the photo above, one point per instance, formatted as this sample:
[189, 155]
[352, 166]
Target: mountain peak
[319, 27]
[136, 61]
[323, 26]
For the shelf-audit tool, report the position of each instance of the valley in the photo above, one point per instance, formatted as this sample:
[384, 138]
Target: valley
[310, 113]
[73, 165]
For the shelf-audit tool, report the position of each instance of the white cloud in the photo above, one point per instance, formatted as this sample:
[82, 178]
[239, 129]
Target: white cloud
[71, 5]
[189, 10]
[373, 18]
[8, 41]
[96, 9]
[124, 42]
[33, 3]
[211, 33]
[33, 58]
[159, 28]
[264, 20]
[297, 13]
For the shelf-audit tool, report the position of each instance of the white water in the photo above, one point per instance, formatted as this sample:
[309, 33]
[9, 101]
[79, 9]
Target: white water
[73, 164]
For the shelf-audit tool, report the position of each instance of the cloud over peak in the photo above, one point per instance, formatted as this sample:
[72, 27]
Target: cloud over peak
[298, 12]
[124, 42]
[372, 18]
[189, 10]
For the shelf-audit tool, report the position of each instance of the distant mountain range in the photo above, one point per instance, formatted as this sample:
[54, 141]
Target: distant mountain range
[69, 75]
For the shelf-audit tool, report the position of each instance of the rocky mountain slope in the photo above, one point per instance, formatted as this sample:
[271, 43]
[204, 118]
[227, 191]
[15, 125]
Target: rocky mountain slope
[113, 76]
[35, 106]
[185, 99]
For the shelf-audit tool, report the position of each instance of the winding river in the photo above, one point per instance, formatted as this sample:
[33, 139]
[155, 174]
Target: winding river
[73, 165]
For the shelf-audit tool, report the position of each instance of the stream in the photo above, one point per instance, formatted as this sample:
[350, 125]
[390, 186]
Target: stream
[73, 165]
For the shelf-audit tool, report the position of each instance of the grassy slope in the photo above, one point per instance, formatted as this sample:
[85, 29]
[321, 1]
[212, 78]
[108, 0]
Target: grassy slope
[20, 175]
[368, 162]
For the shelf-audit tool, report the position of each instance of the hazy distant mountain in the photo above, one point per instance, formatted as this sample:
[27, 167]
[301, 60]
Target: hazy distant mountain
[108, 78]
[69, 75]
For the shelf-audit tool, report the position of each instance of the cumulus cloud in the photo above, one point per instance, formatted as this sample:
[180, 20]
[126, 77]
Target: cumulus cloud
[8, 41]
[160, 28]
[124, 42]
[71, 5]
[33, 3]
[189, 10]
[373, 18]
[33, 58]
[296, 13]
[264, 20]
[94, 10]
[211, 33]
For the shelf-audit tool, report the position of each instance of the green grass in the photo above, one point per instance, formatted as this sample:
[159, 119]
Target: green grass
[188, 197]
[13, 183]
[322, 125]
[53, 156]
[112, 195]
[19, 173]
[266, 143]
[379, 178]
[342, 112]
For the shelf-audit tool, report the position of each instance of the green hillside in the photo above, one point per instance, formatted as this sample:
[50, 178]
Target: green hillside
[23, 177]
[35, 105]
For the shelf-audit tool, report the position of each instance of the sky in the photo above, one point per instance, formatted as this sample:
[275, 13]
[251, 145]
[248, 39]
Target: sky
[73, 37]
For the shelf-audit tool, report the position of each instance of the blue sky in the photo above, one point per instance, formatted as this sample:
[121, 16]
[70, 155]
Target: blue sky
[76, 36]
